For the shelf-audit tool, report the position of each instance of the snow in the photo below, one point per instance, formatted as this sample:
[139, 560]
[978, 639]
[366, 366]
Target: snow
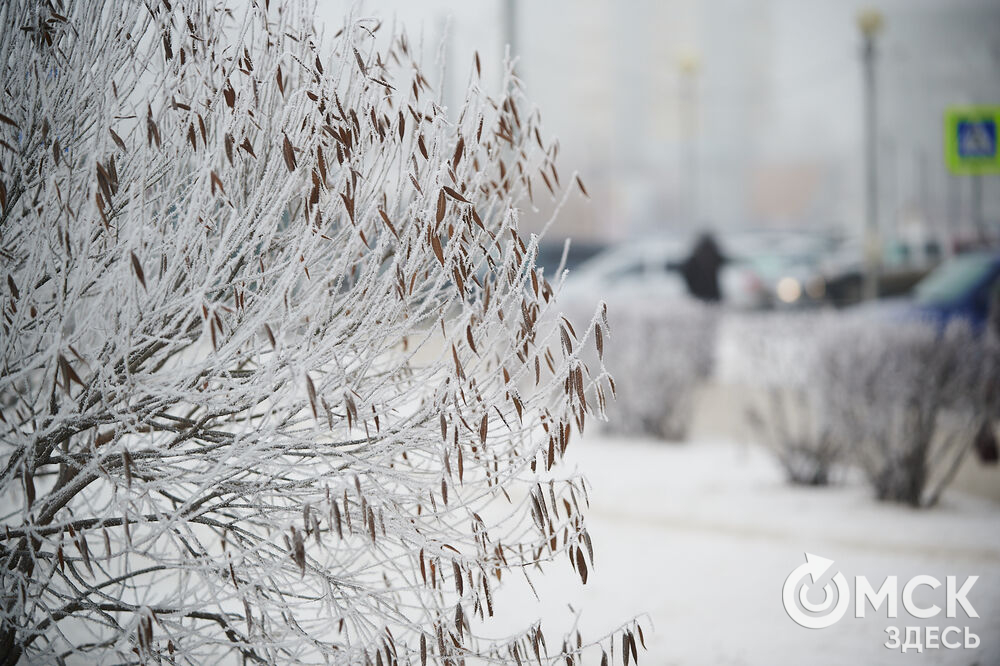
[698, 538]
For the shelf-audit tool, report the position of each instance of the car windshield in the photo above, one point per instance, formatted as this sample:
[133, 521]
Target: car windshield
[952, 279]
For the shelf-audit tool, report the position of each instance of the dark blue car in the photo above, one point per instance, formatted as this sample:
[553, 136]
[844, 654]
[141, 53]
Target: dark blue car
[964, 287]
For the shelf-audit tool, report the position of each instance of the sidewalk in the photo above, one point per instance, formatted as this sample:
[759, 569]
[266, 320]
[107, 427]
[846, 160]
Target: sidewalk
[701, 536]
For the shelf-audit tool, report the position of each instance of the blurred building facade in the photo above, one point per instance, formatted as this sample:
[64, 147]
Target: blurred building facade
[735, 113]
[768, 115]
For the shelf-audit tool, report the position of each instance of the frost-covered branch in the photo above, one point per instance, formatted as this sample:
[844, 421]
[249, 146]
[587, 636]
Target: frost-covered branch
[276, 378]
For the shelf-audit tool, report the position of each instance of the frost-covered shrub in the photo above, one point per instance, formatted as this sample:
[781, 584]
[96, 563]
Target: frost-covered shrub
[768, 349]
[908, 399]
[271, 346]
[774, 356]
[662, 351]
[988, 395]
[790, 423]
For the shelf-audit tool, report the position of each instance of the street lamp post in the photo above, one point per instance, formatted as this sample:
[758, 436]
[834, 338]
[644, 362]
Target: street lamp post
[688, 65]
[977, 208]
[870, 23]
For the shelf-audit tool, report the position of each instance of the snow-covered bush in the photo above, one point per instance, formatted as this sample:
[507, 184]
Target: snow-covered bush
[662, 351]
[775, 357]
[901, 399]
[908, 399]
[988, 395]
[271, 346]
[766, 349]
[798, 433]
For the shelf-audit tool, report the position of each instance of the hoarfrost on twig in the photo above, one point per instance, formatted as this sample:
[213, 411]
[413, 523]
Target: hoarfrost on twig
[273, 351]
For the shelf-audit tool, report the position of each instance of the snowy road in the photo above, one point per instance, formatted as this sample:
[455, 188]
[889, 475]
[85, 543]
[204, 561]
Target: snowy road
[702, 536]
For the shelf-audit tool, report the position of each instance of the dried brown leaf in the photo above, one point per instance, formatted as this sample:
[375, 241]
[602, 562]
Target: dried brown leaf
[217, 182]
[311, 390]
[581, 565]
[438, 251]
[117, 139]
[298, 550]
[137, 267]
[289, 154]
[459, 151]
[441, 207]
[454, 194]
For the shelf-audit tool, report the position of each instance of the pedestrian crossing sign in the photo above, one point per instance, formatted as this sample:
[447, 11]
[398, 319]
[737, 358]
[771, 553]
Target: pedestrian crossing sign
[970, 139]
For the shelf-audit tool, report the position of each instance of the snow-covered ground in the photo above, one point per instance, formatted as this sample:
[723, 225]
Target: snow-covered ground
[701, 536]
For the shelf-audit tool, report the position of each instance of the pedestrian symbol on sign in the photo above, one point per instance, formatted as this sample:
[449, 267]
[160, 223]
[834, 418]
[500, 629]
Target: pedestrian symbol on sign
[977, 139]
[970, 139]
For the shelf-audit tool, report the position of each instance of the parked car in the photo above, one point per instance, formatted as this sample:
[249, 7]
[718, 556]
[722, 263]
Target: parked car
[550, 254]
[644, 269]
[904, 263]
[965, 287]
[787, 263]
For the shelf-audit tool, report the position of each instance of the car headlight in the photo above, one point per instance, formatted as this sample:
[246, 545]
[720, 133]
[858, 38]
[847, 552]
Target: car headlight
[816, 288]
[789, 290]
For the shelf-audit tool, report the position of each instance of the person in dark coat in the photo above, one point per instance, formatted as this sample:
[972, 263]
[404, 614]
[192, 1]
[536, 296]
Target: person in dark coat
[701, 269]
